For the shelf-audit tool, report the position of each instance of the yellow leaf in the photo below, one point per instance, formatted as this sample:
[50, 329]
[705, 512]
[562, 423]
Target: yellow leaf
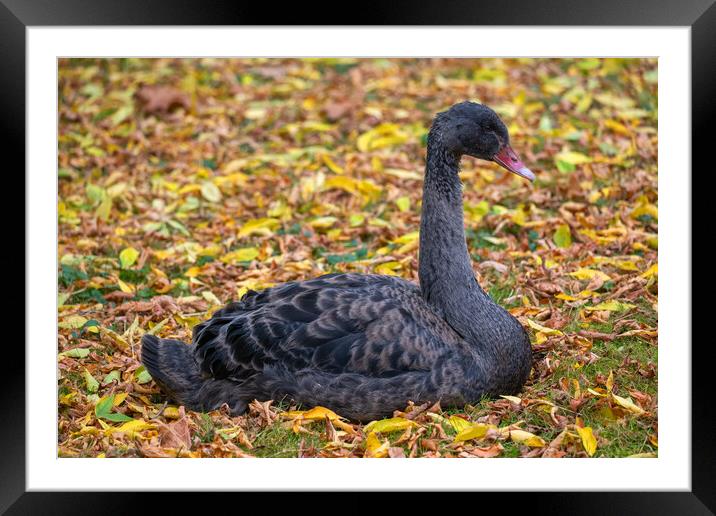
[595, 392]
[124, 287]
[584, 103]
[73, 322]
[332, 165]
[474, 431]
[527, 438]
[407, 238]
[264, 227]
[189, 189]
[519, 216]
[118, 340]
[610, 381]
[513, 399]
[403, 203]
[245, 254]
[374, 448]
[384, 135]
[573, 158]
[388, 268]
[211, 298]
[119, 398]
[192, 272]
[321, 413]
[588, 440]
[403, 174]
[611, 306]
[459, 424]
[617, 127]
[376, 164]
[323, 222]
[543, 329]
[131, 428]
[646, 455]
[651, 271]
[644, 207]
[628, 404]
[385, 426]
[588, 274]
[236, 178]
[368, 190]
[596, 237]
[127, 257]
[566, 297]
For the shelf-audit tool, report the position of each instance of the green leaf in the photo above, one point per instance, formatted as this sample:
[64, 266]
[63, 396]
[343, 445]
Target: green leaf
[111, 377]
[75, 353]
[91, 326]
[104, 406]
[73, 322]
[142, 375]
[127, 257]
[356, 220]
[117, 417]
[210, 192]
[178, 226]
[403, 203]
[563, 166]
[589, 63]
[121, 114]
[91, 384]
[103, 409]
[104, 209]
[563, 236]
[95, 194]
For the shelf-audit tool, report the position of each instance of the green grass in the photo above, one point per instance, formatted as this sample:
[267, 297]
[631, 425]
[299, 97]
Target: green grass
[277, 441]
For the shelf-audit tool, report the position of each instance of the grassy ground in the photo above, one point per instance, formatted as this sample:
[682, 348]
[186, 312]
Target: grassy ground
[183, 183]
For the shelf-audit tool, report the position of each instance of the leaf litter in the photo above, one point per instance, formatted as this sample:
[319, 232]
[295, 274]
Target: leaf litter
[185, 183]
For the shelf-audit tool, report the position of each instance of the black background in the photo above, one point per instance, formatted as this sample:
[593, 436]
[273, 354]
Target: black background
[17, 15]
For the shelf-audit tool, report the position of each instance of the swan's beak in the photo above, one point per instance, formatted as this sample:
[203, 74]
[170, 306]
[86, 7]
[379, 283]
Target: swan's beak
[509, 159]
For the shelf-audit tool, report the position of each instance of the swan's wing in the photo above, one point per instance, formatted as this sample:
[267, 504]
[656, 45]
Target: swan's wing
[368, 324]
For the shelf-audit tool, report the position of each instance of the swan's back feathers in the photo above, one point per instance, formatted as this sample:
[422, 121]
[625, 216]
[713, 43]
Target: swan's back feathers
[340, 323]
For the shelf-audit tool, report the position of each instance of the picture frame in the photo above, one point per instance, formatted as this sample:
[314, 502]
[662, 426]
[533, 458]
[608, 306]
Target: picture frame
[18, 15]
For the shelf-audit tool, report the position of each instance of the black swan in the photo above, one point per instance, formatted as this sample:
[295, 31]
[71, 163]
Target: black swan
[365, 345]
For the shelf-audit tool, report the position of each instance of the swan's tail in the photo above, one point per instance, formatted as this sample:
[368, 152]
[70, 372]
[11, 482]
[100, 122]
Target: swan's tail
[172, 366]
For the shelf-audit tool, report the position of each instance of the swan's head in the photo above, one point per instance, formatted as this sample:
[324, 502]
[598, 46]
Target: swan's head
[476, 130]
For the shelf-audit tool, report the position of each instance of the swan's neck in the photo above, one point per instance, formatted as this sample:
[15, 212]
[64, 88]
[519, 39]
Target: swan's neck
[447, 281]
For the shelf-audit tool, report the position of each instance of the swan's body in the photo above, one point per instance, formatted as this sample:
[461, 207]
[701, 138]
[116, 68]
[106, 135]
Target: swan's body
[365, 345]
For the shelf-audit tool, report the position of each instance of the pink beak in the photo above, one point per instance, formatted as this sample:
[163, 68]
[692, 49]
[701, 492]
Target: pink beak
[508, 158]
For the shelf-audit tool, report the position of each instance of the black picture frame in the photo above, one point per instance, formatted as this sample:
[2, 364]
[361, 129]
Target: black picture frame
[17, 15]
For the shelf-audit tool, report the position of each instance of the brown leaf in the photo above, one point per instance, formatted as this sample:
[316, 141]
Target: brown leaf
[330, 430]
[548, 288]
[175, 434]
[557, 321]
[596, 335]
[487, 451]
[336, 110]
[429, 444]
[162, 99]
[396, 452]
